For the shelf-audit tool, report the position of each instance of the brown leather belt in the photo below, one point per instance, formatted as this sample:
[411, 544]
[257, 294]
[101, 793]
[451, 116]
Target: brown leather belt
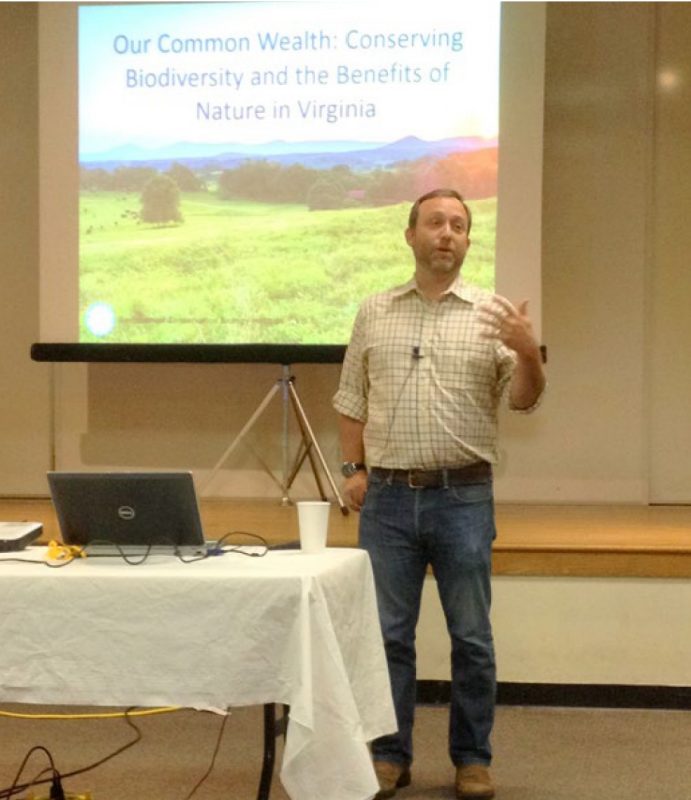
[478, 472]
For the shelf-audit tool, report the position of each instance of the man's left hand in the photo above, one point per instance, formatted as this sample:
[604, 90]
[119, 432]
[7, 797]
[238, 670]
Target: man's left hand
[510, 325]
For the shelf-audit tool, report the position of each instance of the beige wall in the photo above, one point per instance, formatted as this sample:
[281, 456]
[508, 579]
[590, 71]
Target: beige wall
[626, 631]
[24, 386]
[588, 443]
[670, 281]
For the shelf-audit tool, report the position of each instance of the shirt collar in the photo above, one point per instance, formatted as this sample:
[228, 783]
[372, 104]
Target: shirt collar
[457, 288]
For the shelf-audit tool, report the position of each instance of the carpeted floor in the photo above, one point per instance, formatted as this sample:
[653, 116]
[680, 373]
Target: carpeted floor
[540, 754]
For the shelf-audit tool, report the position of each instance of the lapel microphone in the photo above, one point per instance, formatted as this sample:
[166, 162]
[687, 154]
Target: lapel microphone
[416, 352]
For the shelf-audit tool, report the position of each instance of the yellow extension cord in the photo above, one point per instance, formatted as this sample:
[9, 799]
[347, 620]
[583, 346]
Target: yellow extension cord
[106, 715]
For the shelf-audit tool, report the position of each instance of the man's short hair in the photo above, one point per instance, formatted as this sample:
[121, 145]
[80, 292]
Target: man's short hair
[415, 210]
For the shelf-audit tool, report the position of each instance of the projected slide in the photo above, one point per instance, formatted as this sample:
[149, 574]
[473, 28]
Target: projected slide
[246, 169]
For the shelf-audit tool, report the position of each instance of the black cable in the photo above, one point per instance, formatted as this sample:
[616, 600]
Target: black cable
[413, 365]
[191, 559]
[215, 550]
[138, 559]
[100, 762]
[15, 789]
[208, 772]
[121, 552]
[220, 547]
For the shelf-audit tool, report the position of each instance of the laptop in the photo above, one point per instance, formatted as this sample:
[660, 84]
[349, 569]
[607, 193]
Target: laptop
[128, 512]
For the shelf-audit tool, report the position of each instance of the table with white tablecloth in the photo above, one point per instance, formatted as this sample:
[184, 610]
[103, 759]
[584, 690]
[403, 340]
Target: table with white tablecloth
[231, 630]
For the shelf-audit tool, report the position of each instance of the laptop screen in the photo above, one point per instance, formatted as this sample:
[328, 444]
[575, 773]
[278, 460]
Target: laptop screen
[130, 511]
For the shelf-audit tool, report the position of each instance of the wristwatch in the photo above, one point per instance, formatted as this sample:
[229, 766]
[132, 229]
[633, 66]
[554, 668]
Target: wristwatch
[349, 468]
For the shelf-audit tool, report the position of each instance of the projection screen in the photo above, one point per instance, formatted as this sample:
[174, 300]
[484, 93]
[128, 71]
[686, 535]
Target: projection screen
[234, 178]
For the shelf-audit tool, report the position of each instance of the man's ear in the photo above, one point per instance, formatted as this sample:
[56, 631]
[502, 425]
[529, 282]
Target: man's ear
[409, 236]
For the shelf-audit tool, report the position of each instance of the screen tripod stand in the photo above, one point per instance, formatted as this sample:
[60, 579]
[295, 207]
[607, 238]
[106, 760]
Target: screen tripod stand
[309, 447]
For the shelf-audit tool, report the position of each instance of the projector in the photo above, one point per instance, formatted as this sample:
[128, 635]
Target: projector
[17, 535]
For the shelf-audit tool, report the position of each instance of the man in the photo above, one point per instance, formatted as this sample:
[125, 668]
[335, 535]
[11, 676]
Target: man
[423, 375]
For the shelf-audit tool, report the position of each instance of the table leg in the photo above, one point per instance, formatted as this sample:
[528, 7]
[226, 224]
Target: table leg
[272, 730]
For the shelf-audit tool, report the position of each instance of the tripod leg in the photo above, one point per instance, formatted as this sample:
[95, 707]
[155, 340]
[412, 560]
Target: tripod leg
[305, 451]
[307, 431]
[250, 422]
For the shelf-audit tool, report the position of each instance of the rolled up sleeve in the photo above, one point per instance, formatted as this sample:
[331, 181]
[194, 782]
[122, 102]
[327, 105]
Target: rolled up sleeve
[351, 397]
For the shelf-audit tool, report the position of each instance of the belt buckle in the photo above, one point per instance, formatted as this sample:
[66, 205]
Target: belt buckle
[411, 484]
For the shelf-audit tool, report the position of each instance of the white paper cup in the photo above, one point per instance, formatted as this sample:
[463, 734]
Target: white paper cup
[313, 522]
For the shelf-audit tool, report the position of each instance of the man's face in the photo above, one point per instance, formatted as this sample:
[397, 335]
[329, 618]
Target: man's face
[440, 240]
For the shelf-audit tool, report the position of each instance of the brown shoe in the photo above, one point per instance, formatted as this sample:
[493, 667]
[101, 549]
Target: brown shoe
[473, 782]
[391, 777]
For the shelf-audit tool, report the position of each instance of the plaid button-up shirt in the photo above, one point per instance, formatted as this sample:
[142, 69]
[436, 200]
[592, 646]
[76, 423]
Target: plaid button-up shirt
[422, 378]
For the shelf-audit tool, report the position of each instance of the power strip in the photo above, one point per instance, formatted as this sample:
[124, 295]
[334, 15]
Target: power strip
[18, 535]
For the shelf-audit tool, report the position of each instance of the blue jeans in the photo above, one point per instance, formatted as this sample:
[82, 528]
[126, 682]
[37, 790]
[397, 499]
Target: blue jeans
[404, 530]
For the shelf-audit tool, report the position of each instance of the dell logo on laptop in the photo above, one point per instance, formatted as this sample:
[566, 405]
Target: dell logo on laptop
[126, 512]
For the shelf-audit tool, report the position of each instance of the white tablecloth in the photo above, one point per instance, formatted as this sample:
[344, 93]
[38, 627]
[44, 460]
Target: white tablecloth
[227, 631]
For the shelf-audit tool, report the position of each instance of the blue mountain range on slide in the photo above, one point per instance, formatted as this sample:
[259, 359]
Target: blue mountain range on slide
[315, 155]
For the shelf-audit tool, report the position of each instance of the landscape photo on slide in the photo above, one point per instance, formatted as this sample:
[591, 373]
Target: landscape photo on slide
[245, 181]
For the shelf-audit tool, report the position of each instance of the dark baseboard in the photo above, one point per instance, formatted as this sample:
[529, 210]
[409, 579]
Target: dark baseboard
[570, 694]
